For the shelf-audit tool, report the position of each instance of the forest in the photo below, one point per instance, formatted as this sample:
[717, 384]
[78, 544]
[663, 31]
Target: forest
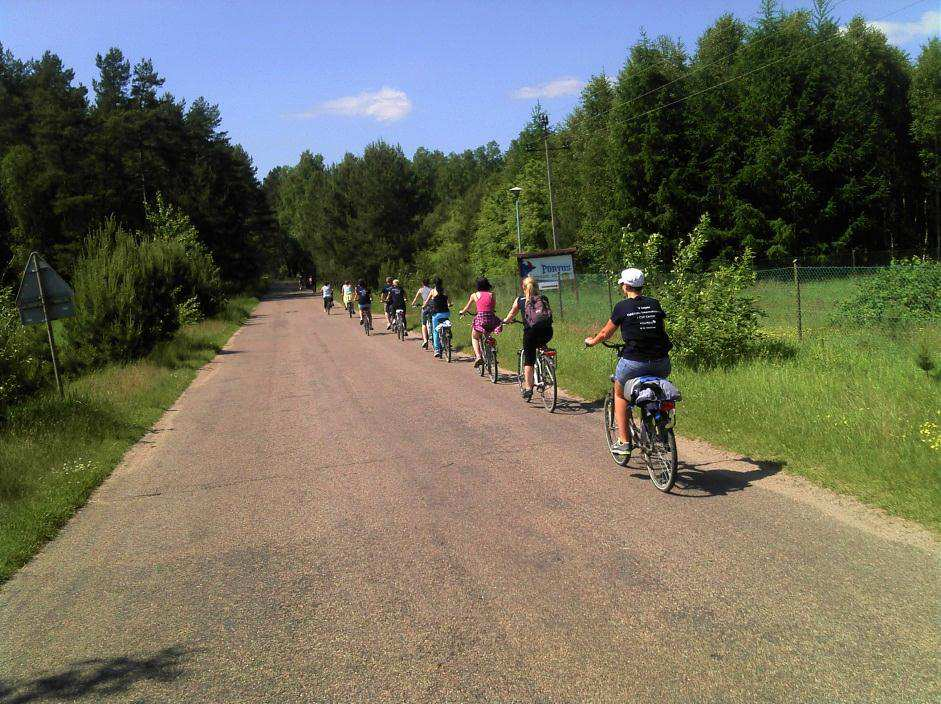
[69, 160]
[796, 135]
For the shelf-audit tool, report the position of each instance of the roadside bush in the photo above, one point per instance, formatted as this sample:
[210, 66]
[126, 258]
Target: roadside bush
[907, 292]
[21, 365]
[710, 316]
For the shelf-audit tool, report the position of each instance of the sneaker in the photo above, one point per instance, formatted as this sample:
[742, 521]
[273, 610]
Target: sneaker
[527, 394]
[424, 345]
[389, 326]
[360, 321]
[478, 363]
[438, 355]
[621, 448]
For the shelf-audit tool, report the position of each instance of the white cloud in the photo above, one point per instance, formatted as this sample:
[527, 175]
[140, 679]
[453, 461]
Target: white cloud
[567, 85]
[384, 105]
[904, 32]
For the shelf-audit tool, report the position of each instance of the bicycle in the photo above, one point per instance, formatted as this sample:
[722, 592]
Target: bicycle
[398, 325]
[654, 436]
[488, 346]
[349, 308]
[367, 321]
[544, 378]
[444, 334]
[327, 304]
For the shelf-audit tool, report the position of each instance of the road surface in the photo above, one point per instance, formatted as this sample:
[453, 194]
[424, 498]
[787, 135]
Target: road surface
[328, 518]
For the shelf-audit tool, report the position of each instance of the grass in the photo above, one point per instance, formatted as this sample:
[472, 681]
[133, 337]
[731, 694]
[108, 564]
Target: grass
[851, 409]
[54, 453]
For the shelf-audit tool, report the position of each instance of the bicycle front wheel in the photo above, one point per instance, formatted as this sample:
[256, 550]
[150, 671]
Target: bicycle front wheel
[611, 429]
[660, 454]
[547, 383]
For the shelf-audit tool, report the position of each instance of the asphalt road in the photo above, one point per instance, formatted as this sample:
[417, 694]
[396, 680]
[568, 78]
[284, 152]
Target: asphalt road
[324, 517]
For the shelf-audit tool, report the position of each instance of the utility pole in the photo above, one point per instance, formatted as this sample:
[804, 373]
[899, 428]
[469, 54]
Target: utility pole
[544, 123]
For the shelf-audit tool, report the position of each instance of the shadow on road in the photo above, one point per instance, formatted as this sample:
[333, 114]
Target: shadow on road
[571, 407]
[695, 481]
[98, 678]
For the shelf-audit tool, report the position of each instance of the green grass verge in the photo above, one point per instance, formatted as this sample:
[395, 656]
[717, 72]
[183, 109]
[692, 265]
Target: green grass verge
[849, 409]
[54, 453]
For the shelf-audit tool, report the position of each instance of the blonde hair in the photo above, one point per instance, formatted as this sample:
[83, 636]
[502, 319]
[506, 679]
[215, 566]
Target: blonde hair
[530, 287]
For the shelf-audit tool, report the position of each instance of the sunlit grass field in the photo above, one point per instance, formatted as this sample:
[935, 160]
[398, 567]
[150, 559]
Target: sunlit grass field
[53, 453]
[849, 408]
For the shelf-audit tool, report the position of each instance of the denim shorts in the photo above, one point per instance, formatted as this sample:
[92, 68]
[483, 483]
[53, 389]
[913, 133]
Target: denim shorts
[631, 369]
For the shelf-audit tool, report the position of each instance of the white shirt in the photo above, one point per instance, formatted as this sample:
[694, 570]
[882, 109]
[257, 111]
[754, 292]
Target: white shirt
[425, 292]
[328, 291]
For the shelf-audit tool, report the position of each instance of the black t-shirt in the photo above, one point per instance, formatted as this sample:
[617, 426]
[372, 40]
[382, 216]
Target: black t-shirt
[363, 296]
[641, 323]
[396, 298]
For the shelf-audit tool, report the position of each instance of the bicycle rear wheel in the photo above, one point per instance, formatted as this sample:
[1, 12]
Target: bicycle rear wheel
[548, 388]
[660, 454]
[447, 338]
[492, 366]
[520, 371]
[611, 429]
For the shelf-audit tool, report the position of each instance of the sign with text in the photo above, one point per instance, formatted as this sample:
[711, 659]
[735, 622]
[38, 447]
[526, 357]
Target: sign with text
[547, 267]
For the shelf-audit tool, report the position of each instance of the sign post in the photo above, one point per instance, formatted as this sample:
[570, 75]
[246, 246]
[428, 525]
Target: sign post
[550, 268]
[44, 297]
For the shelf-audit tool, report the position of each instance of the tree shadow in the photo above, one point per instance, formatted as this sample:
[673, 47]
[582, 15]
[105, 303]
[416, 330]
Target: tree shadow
[696, 481]
[99, 677]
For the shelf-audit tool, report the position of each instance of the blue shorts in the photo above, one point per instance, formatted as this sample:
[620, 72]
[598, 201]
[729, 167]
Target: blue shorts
[628, 369]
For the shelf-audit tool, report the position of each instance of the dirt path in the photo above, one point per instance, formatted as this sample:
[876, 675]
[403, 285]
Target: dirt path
[324, 517]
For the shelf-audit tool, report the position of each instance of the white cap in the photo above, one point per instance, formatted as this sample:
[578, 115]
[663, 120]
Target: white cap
[632, 277]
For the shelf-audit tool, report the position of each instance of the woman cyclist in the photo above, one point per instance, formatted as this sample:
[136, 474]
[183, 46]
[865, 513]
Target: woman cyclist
[440, 308]
[364, 300]
[424, 293]
[646, 345]
[537, 327]
[485, 320]
[347, 294]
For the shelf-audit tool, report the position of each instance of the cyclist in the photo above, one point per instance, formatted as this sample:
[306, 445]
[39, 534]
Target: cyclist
[364, 300]
[327, 292]
[348, 292]
[424, 292]
[440, 309]
[537, 327]
[396, 298]
[646, 345]
[384, 297]
[485, 321]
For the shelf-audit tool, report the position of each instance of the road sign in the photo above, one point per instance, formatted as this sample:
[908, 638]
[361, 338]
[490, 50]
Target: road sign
[44, 297]
[40, 281]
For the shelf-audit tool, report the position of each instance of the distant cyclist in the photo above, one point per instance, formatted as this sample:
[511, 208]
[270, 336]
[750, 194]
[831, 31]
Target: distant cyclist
[646, 345]
[423, 293]
[537, 327]
[384, 297]
[396, 299]
[485, 320]
[348, 292]
[440, 308]
[364, 300]
[327, 292]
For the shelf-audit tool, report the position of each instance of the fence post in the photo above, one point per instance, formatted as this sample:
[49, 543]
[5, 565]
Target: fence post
[854, 258]
[610, 302]
[559, 279]
[797, 288]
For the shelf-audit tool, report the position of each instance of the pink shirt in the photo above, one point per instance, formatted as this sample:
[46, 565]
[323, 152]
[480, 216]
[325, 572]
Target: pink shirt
[485, 302]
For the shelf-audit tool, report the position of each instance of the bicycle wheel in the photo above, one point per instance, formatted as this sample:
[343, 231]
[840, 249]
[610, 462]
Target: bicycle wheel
[482, 369]
[492, 367]
[447, 338]
[659, 454]
[547, 384]
[611, 429]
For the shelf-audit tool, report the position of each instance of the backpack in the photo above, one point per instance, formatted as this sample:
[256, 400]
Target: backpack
[536, 312]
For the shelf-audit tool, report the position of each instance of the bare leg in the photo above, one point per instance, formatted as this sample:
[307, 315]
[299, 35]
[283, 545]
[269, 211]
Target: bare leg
[475, 343]
[528, 375]
[620, 412]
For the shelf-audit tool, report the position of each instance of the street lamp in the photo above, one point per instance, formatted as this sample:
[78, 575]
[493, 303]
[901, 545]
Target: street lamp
[516, 190]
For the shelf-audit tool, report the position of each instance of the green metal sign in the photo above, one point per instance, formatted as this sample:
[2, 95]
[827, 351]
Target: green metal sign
[43, 296]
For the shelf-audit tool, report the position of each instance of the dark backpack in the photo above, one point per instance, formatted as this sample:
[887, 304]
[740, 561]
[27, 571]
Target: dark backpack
[536, 312]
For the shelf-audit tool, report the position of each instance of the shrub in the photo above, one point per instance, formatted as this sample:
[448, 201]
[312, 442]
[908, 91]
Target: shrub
[21, 364]
[124, 298]
[710, 316]
[905, 292]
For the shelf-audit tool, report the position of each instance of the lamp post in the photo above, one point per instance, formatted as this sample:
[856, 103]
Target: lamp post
[516, 190]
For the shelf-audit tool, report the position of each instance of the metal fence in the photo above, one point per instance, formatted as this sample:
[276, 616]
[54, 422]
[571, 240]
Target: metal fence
[797, 301]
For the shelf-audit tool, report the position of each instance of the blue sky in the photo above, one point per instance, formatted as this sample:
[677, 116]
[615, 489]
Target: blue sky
[333, 76]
